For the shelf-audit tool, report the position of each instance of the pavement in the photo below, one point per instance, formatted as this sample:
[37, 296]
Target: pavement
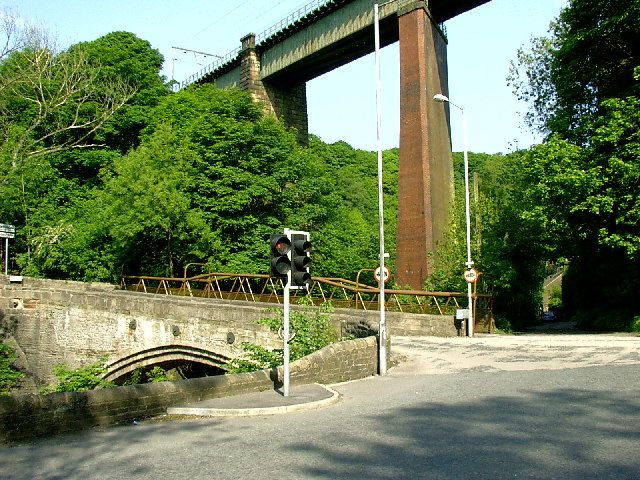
[268, 402]
[437, 355]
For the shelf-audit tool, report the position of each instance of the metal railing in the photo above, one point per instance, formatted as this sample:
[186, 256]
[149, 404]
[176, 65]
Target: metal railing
[340, 292]
[212, 67]
[261, 37]
[290, 19]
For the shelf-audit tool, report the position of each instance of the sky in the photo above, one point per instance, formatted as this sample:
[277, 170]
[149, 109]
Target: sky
[341, 103]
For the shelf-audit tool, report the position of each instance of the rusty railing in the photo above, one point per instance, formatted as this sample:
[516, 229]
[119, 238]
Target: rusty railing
[340, 292]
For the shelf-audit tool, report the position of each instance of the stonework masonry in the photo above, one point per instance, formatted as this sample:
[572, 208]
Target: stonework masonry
[286, 102]
[23, 417]
[76, 323]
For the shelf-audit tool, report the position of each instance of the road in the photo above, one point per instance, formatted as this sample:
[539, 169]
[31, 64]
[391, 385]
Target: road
[509, 407]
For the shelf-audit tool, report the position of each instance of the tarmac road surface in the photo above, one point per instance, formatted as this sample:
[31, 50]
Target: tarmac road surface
[490, 407]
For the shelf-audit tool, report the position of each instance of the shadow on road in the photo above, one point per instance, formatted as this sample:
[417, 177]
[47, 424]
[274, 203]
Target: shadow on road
[564, 434]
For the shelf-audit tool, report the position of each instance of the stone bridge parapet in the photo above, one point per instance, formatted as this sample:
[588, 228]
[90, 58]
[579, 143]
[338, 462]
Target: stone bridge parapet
[77, 323]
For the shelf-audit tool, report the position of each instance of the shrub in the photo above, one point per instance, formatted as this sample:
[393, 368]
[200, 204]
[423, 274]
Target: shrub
[312, 329]
[9, 375]
[503, 325]
[88, 377]
[154, 375]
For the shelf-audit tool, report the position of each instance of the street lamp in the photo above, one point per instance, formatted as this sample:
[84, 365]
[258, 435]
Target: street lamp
[444, 99]
[382, 325]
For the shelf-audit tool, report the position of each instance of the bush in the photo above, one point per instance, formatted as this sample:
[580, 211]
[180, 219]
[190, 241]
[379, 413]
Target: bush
[555, 299]
[80, 379]
[607, 320]
[312, 328]
[9, 376]
[503, 325]
[140, 375]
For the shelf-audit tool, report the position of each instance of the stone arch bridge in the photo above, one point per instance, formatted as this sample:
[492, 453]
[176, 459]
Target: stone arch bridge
[75, 323]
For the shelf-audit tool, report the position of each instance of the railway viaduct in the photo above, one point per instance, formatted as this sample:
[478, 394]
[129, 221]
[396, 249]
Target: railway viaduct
[274, 67]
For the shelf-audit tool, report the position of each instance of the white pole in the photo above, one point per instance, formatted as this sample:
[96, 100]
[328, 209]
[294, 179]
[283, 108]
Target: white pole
[6, 256]
[382, 324]
[443, 98]
[285, 335]
[468, 219]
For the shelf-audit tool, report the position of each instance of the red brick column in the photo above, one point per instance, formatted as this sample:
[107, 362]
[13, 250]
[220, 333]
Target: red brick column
[425, 172]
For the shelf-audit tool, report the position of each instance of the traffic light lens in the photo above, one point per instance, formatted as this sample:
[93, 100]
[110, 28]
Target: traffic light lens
[280, 244]
[280, 265]
[301, 278]
[302, 246]
[281, 247]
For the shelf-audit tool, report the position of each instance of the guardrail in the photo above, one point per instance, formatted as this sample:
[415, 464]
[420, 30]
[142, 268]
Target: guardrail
[340, 292]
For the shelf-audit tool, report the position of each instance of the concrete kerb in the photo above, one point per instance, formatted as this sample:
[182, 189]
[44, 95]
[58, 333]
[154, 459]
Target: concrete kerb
[271, 402]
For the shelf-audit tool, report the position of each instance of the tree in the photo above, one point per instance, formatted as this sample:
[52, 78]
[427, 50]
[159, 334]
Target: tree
[147, 210]
[590, 56]
[49, 102]
[587, 202]
[124, 56]
[581, 183]
[17, 35]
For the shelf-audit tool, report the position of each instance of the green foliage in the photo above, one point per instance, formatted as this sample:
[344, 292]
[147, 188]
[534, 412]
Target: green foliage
[157, 374]
[580, 186]
[142, 375]
[9, 375]
[589, 57]
[256, 358]
[80, 379]
[312, 329]
[503, 326]
[122, 55]
[555, 299]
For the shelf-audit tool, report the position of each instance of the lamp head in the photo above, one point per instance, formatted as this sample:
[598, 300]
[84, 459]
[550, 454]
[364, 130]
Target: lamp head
[438, 97]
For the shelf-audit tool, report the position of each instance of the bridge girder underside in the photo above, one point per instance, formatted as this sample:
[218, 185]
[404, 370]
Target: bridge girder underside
[340, 53]
[359, 44]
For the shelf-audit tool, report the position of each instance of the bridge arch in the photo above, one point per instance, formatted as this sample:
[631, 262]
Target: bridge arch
[172, 354]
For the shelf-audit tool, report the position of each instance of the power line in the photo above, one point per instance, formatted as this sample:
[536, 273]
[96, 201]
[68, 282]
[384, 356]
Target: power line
[224, 15]
[184, 50]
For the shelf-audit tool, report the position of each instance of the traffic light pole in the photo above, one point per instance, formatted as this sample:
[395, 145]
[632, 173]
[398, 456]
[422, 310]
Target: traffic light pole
[285, 338]
[289, 262]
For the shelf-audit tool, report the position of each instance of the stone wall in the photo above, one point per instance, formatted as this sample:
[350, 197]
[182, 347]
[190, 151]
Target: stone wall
[287, 102]
[27, 416]
[76, 323]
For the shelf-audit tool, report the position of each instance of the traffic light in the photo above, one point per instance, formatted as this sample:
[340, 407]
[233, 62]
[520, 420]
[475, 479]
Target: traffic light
[300, 260]
[280, 262]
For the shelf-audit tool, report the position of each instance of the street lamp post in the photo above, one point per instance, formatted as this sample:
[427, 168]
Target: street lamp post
[382, 327]
[442, 98]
